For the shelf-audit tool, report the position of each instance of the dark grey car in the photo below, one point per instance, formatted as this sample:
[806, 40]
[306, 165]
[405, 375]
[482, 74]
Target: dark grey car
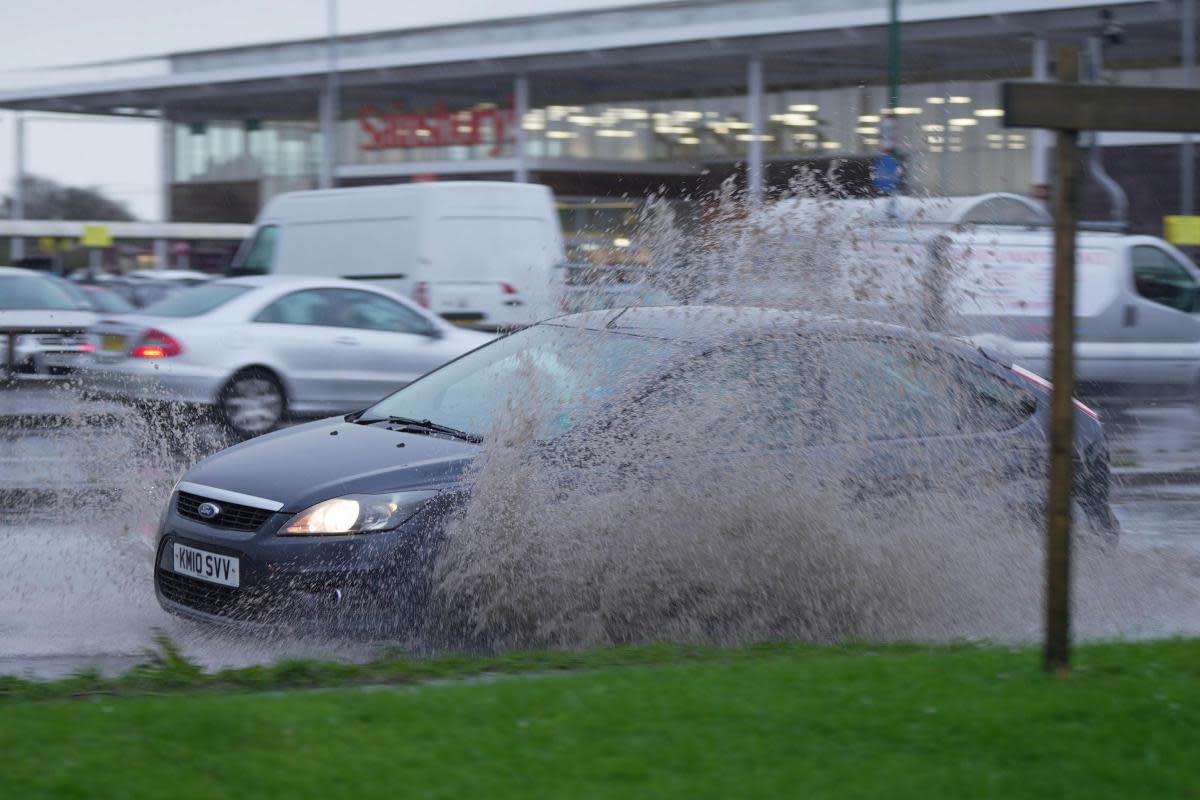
[348, 512]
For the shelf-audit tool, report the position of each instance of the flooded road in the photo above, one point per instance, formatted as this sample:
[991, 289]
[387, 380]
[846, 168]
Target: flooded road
[79, 503]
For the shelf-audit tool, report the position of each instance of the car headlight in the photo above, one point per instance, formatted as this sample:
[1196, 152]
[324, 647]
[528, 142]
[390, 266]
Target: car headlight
[357, 513]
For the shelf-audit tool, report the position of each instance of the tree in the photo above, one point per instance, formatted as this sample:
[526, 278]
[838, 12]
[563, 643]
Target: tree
[47, 199]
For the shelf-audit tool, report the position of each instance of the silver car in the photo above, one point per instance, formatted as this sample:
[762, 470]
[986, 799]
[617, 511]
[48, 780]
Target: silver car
[259, 348]
[42, 323]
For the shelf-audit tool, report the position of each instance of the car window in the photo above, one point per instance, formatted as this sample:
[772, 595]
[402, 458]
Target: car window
[888, 390]
[1158, 277]
[21, 292]
[769, 390]
[307, 307]
[256, 255]
[108, 301]
[988, 402]
[194, 302]
[375, 312]
[892, 390]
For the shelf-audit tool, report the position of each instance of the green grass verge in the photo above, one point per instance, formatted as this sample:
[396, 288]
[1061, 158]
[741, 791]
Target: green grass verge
[769, 721]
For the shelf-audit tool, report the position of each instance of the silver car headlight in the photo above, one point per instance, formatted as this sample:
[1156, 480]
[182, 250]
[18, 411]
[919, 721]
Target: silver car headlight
[357, 513]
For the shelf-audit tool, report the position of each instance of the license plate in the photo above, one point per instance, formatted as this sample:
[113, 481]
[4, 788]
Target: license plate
[206, 566]
[63, 359]
[112, 343]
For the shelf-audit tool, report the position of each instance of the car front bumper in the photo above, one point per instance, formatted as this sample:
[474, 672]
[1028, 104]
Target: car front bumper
[374, 583]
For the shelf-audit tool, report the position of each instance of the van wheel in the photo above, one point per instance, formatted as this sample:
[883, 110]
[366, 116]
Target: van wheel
[252, 402]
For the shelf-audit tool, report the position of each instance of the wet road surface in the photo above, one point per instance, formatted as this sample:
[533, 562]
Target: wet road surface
[80, 498]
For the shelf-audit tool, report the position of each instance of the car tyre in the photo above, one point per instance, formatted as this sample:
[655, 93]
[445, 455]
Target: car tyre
[252, 402]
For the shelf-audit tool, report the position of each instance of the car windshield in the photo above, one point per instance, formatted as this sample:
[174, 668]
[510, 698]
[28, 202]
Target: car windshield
[108, 301]
[31, 292]
[565, 372]
[197, 301]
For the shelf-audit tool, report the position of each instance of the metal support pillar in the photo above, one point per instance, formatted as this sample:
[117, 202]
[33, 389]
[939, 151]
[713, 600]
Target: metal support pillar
[328, 105]
[520, 111]
[754, 115]
[17, 246]
[1187, 153]
[1040, 146]
[166, 167]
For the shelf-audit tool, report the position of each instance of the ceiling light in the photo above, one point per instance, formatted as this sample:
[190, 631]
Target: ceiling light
[750, 137]
[805, 107]
[561, 134]
[688, 140]
[620, 241]
[615, 134]
[933, 128]
[964, 122]
[831, 145]
[868, 118]
[989, 112]
[676, 129]
[866, 130]
[960, 99]
[583, 120]
[936, 101]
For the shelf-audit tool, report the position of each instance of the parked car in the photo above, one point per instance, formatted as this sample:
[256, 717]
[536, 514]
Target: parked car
[46, 320]
[480, 253]
[259, 349]
[95, 296]
[332, 514]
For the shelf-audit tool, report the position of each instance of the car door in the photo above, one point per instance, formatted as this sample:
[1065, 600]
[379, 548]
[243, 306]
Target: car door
[1160, 319]
[915, 420]
[395, 344]
[318, 355]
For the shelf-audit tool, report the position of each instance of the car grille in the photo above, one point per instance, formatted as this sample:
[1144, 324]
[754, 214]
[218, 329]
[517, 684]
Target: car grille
[232, 517]
[209, 598]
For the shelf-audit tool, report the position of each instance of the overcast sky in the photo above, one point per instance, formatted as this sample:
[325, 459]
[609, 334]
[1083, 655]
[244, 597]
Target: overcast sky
[37, 36]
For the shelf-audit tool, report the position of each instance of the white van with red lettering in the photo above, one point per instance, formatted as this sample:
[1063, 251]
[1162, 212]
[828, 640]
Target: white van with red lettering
[986, 262]
[480, 253]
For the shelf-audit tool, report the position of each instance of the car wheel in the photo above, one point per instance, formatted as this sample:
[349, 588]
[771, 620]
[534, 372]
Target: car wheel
[252, 402]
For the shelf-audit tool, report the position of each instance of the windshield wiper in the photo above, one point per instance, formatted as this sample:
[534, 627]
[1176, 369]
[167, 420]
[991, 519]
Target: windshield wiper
[423, 425]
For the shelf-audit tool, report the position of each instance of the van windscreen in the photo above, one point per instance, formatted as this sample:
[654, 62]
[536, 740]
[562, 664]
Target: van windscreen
[257, 254]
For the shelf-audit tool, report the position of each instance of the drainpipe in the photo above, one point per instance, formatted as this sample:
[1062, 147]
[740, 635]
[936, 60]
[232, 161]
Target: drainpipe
[1118, 202]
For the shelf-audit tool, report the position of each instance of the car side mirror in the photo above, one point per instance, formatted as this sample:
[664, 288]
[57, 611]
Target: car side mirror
[434, 332]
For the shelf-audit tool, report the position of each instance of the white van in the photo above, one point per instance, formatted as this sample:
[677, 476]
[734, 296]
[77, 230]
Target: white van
[1137, 298]
[486, 254]
[1136, 305]
[987, 264]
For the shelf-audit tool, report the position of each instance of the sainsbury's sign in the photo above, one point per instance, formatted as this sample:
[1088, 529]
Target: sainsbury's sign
[394, 128]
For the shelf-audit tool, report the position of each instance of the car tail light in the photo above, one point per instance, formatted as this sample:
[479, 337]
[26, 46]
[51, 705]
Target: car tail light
[1033, 377]
[156, 344]
[87, 348]
[508, 288]
[420, 294]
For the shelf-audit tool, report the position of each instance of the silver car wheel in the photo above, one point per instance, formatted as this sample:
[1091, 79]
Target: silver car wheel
[252, 404]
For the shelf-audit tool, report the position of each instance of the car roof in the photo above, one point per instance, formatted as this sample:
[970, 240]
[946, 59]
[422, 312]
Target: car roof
[19, 271]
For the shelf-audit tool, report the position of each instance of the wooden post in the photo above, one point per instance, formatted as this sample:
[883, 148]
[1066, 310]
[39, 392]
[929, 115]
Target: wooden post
[1057, 657]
